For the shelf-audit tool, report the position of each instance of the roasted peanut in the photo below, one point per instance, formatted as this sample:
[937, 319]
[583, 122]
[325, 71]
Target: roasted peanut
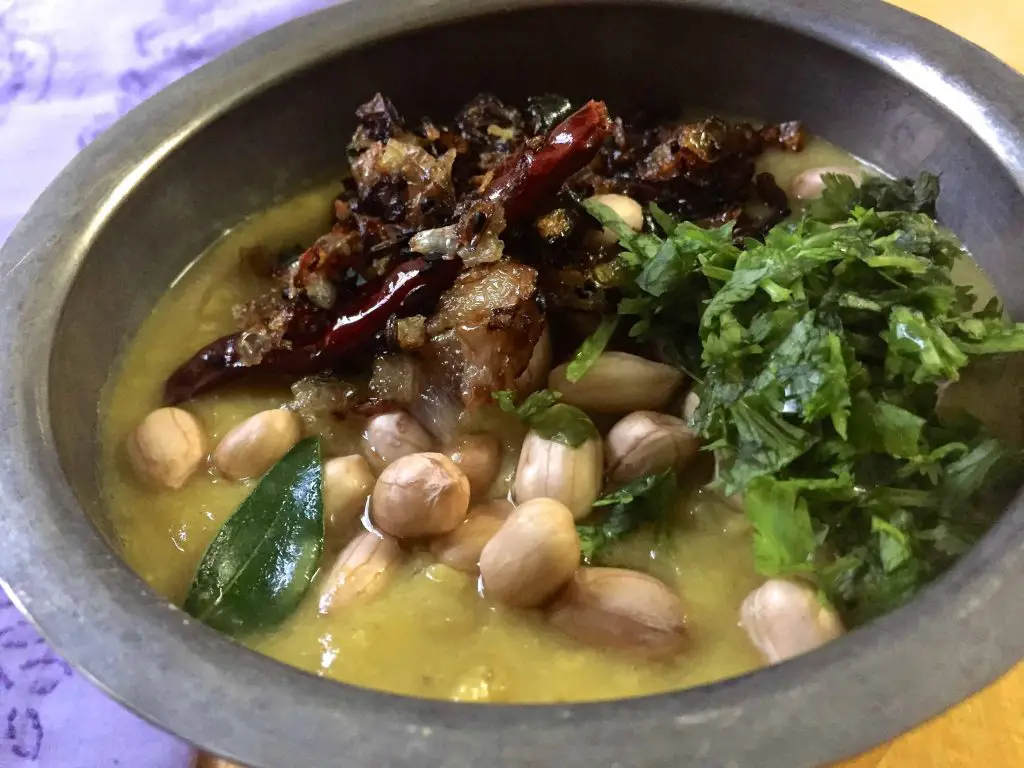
[618, 382]
[690, 405]
[532, 555]
[648, 441]
[255, 445]
[461, 548]
[424, 494]
[550, 469]
[622, 610]
[784, 618]
[390, 436]
[348, 483]
[811, 183]
[361, 571]
[167, 447]
[627, 209]
[479, 457]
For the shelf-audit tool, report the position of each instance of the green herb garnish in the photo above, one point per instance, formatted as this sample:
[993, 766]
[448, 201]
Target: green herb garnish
[591, 348]
[644, 500]
[842, 194]
[261, 562]
[819, 354]
[552, 420]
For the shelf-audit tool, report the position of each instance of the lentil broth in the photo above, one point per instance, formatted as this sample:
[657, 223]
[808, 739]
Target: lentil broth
[429, 633]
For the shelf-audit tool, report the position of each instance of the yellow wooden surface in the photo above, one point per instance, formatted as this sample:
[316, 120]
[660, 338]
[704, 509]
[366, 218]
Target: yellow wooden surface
[986, 731]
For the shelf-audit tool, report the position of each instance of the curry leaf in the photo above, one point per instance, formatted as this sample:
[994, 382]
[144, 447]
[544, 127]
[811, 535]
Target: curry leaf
[260, 563]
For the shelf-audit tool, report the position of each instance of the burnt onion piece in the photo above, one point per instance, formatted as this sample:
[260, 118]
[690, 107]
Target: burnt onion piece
[482, 335]
[465, 195]
[524, 182]
[702, 170]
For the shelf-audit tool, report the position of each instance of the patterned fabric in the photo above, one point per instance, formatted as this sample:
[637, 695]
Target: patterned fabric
[68, 70]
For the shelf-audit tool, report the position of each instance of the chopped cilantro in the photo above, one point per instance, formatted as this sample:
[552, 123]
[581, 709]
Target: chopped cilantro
[645, 500]
[819, 354]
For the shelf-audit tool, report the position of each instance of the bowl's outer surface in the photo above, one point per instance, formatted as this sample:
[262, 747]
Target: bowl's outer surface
[88, 262]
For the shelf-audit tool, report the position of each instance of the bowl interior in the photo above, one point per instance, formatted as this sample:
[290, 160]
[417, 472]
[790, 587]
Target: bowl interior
[293, 133]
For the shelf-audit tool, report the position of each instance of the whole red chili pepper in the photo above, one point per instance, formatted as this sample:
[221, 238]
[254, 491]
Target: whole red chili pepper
[525, 181]
[412, 286]
[531, 175]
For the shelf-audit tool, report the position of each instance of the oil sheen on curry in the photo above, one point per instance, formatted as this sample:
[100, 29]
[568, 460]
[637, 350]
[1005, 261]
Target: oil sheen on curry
[546, 403]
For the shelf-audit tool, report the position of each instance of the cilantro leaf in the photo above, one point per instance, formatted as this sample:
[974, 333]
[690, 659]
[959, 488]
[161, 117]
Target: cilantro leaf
[919, 349]
[644, 500]
[809, 364]
[764, 444]
[591, 348]
[893, 545]
[966, 476]
[988, 336]
[784, 540]
[532, 406]
[882, 427]
[552, 420]
[842, 195]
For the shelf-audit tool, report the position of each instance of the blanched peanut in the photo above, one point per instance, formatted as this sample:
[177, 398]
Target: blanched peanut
[348, 483]
[628, 209]
[549, 469]
[534, 553]
[537, 370]
[424, 494]
[167, 447]
[479, 457]
[361, 571]
[390, 436]
[461, 548]
[784, 618]
[648, 441]
[622, 610]
[618, 382]
[255, 445]
[811, 183]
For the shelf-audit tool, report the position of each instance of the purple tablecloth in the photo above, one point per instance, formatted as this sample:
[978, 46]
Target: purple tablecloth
[68, 70]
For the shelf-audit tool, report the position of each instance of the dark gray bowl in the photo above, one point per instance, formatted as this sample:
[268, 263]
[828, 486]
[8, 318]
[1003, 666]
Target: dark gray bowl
[93, 255]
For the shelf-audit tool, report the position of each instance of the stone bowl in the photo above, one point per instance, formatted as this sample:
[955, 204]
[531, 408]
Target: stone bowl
[270, 119]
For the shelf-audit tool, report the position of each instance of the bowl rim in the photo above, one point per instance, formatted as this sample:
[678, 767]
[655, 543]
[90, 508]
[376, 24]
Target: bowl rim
[866, 687]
